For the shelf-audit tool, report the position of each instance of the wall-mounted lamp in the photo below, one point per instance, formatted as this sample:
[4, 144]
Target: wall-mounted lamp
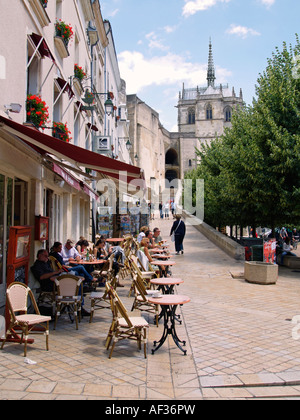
[136, 157]
[16, 108]
[92, 34]
[128, 145]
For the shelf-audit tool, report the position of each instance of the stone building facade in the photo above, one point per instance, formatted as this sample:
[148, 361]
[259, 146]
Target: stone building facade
[203, 114]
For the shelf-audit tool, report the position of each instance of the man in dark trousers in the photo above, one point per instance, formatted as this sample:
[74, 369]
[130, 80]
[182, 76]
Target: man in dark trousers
[179, 231]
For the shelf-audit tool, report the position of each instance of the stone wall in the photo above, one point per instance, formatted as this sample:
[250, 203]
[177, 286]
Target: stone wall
[232, 248]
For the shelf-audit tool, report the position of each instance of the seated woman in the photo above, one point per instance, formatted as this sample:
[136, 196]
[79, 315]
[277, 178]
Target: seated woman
[100, 252]
[82, 246]
[145, 249]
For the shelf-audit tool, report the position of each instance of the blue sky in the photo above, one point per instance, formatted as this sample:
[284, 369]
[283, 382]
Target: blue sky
[162, 44]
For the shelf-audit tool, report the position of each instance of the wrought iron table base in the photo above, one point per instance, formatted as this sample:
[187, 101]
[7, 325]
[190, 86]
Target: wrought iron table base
[169, 314]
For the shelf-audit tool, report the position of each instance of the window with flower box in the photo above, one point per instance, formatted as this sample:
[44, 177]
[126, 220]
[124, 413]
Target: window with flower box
[62, 37]
[39, 8]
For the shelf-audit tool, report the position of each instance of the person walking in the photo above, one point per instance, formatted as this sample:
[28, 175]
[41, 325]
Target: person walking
[179, 231]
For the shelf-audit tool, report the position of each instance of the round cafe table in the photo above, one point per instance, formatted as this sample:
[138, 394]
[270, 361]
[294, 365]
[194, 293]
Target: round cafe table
[166, 264]
[161, 256]
[166, 284]
[156, 250]
[169, 304]
[84, 262]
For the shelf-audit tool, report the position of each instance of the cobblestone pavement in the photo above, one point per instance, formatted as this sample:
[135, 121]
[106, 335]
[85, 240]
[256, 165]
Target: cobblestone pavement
[239, 341]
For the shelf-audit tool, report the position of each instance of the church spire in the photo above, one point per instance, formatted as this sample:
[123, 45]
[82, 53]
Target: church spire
[211, 68]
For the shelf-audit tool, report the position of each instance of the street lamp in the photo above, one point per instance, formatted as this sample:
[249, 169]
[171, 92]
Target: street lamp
[89, 98]
[128, 145]
[92, 34]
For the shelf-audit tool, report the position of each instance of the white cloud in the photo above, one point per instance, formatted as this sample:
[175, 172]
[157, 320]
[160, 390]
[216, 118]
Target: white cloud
[155, 42]
[141, 72]
[195, 6]
[267, 3]
[242, 31]
[170, 29]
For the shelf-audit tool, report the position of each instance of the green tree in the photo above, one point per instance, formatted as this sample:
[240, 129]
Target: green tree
[252, 172]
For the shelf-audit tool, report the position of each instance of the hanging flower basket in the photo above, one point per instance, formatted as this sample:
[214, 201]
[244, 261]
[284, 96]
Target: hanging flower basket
[79, 72]
[44, 3]
[37, 111]
[61, 131]
[64, 31]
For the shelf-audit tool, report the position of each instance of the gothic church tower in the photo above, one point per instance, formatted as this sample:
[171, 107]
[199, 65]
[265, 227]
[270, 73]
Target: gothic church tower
[203, 114]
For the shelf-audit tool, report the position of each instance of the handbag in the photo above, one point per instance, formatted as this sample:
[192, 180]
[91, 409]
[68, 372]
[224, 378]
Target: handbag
[173, 234]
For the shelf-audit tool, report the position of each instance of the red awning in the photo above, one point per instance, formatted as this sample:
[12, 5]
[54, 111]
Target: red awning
[74, 154]
[44, 50]
[65, 86]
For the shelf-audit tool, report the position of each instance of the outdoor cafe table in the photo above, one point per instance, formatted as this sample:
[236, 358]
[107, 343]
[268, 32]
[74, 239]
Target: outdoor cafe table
[161, 256]
[169, 304]
[166, 264]
[84, 262]
[157, 250]
[163, 263]
[167, 284]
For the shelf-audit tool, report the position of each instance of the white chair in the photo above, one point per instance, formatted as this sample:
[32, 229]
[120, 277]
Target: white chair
[17, 295]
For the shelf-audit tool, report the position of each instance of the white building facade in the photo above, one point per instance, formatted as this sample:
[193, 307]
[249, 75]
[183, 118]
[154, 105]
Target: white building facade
[41, 175]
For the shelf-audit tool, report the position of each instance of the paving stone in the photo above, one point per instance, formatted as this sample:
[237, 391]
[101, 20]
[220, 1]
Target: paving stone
[237, 336]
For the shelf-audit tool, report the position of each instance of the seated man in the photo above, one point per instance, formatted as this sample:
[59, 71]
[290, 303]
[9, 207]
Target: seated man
[79, 270]
[44, 273]
[156, 236]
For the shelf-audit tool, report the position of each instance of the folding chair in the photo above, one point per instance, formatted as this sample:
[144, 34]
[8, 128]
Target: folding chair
[100, 300]
[141, 299]
[17, 300]
[69, 297]
[123, 326]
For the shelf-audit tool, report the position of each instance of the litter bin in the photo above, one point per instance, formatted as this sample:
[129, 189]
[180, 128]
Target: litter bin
[257, 252]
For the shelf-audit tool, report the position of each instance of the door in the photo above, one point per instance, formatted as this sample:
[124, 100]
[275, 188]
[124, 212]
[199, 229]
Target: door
[6, 220]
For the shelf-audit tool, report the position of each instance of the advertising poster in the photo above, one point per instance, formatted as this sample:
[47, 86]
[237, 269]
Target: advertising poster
[270, 251]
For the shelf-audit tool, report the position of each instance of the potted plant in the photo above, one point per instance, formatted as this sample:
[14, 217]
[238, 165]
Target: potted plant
[79, 72]
[63, 31]
[44, 3]
[37, 111]
[61, 131]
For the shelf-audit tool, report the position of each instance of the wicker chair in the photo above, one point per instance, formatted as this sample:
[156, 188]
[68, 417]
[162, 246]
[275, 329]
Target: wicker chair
[141, 299]
[17, 300]
[123, 326]
[68, 296]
